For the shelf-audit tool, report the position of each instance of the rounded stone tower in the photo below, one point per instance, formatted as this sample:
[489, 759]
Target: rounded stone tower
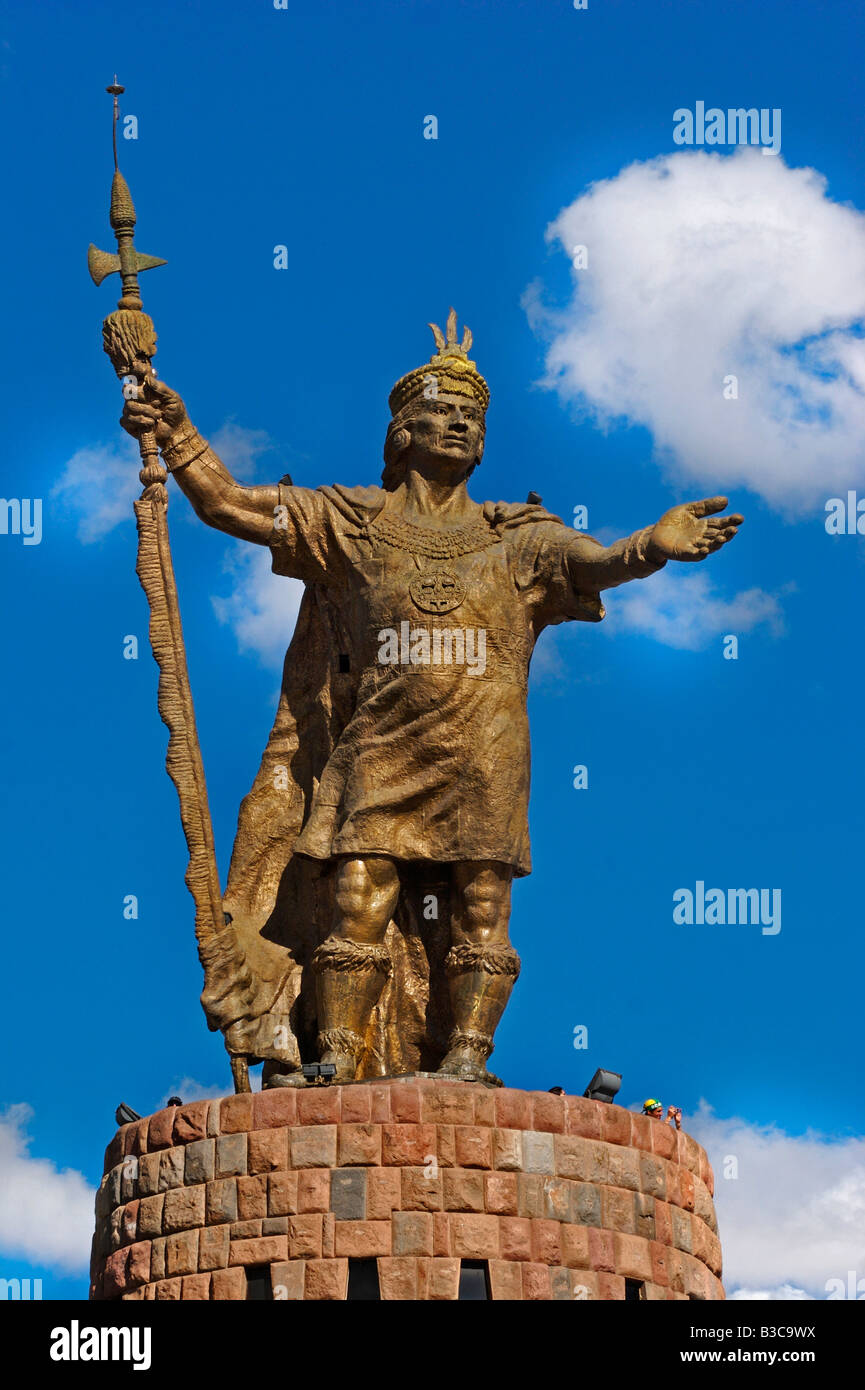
[416, 1188]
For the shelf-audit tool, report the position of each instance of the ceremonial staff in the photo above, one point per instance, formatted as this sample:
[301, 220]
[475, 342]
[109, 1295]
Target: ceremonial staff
[130, 341]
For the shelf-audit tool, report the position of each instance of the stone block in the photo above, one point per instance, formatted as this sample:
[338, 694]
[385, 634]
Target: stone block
[148, 1174]
[398, 1279]
[472, 1146]
[181, 1253]
[558, 1199]
[348, 1194]
[183, 1209]
[160, 1131]
[536, 1282]
[583, 1117]
[382, 1193]
[617, 1210]
[287, 1280]
[420, 1193]
[507, 1150]
[462, 1189]
[407, 1145]
[441, 1233]
[653, 1175]
[412, 1233]
[274, 1226]
[624, 1168]
[356, 1105]
[531, 1198]
[235, 1113]
[448, 1105]
[548, 1113]
[245, 1230]
[359, 1144]
[319, 1105]
[213, 1242]
[231, 1155]
[172, 1163]
[438, 1279]
[506, 1282]
[275, 1109]
[196, 1287]
[576, 1246]
[200, 1164]
[538, 1152]
[263, 1250]
[362, 1239]
[252, 1198]
[129, 1221]
[304, 1237]
[169, 1291]
[190, 1122]
[500, 1193]
[379, 1112]
[633, 1257]
[513, 1109]
[282, 1194]
[405, 1104]
[228, 1284]
[585, 1204]
[615, 1124]
[220, 1203]
[682, 1238]
[313, 1189]
[326, 1279]
[150, 1215]
[475, 1237]
[267, 1150]
[313, 1146]
[515, 1238]
[546, 1245]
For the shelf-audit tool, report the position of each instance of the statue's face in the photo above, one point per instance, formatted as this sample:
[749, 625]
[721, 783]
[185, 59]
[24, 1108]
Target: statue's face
[448, 428]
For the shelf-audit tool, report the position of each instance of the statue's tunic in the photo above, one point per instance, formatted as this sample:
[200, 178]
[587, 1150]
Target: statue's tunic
[435, 629]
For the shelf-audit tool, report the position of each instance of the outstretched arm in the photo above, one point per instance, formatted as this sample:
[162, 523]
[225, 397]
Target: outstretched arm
[687, 532]
[218, 498]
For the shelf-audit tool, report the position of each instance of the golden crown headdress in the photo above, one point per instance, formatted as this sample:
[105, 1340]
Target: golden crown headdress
[451, 368]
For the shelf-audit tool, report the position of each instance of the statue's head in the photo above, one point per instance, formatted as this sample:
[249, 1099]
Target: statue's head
[438, 413]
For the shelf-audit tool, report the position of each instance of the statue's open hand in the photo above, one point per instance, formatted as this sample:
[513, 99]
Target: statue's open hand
[157, 408]
[691, 531]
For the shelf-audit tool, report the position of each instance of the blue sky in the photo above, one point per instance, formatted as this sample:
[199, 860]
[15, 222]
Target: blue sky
[304, 127]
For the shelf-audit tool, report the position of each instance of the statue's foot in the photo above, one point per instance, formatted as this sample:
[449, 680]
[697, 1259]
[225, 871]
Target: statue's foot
[292, 1078]
[345, 1063]
[466, 1066]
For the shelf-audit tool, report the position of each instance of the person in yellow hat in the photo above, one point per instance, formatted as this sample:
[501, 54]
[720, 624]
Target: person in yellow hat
[655, 1110]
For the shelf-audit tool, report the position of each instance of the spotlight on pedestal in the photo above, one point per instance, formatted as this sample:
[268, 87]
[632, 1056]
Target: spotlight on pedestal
[319, 1071]
[124, 1114]
[603, 1086]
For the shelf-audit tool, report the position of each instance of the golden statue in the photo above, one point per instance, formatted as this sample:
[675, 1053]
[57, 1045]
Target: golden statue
[365, 920]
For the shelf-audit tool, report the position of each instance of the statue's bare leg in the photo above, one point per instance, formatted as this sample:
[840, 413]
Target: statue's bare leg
[481, 965]
[352, 965]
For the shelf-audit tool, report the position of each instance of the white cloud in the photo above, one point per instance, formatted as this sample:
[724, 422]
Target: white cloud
[262, 607]
[100, 482]
[684, 610]
[784, 1294]
[702, 265]
[240, 448]
[98, 486]
[46, 1214]
[794, 1217]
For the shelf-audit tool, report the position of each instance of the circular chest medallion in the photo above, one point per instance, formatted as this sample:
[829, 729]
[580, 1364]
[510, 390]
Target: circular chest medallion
[437, 591]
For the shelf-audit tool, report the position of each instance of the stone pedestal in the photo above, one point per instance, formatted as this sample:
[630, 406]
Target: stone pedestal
[558, 1196]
